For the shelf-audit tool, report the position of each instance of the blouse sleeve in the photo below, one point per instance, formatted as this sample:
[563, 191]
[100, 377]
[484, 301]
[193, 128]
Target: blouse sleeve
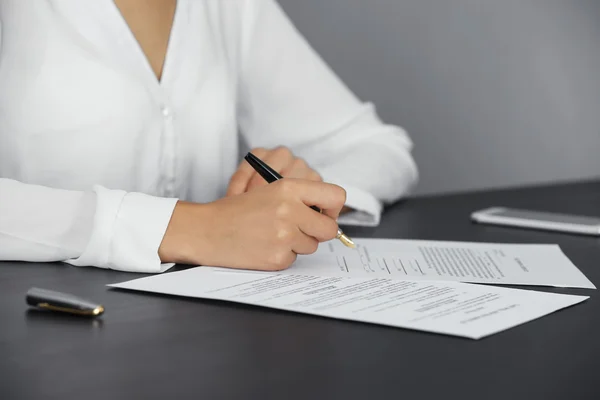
[289, 96]
[101, 227]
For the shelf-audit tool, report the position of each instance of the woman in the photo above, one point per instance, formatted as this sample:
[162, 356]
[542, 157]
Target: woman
[119, 136]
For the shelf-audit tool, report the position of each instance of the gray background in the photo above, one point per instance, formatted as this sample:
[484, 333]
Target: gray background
[493, 93]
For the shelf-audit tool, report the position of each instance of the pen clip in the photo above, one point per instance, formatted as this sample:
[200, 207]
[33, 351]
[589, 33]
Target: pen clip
[90, 313]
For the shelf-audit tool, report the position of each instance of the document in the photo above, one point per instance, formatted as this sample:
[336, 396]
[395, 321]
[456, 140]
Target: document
[451, 308]
[490, 263]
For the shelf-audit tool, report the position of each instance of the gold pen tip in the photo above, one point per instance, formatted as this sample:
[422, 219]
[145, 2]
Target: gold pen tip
[346, 240]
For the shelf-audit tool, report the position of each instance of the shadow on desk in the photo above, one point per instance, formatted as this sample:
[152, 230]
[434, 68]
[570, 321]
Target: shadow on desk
[38, 318]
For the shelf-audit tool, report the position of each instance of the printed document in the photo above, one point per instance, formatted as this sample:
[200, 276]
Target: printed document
[491, 263]
[452, 308]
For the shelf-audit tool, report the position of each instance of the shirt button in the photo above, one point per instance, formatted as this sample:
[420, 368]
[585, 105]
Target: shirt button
[166, 111]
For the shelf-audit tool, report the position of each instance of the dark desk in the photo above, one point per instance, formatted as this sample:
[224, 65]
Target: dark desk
[150, 346]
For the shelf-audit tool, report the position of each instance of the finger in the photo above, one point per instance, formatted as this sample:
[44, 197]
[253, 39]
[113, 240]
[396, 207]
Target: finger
[299, 169]
[280, 261]
[318, 226]
[238, 183]
[304, 244]
[328, 197]
[278, 159]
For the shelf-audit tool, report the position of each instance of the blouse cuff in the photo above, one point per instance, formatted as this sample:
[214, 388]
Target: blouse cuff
[128, 230]
[366, 209]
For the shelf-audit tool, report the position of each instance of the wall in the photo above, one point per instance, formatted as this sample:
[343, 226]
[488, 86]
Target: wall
[493, 93]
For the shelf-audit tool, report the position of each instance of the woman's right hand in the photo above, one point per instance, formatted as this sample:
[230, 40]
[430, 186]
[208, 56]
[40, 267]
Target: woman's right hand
[263, 229]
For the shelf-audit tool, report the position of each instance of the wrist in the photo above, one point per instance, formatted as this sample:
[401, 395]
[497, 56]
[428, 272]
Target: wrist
[187, 238]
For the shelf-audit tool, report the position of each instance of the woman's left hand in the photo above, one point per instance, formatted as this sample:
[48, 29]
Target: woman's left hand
[280, 159]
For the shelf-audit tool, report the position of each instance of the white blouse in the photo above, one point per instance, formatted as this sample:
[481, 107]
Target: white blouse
[95, 151]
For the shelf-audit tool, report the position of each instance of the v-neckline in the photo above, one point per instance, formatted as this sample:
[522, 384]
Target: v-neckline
[128, 36]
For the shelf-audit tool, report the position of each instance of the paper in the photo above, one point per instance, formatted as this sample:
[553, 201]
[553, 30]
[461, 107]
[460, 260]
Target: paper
[451, 308]
[512, 264]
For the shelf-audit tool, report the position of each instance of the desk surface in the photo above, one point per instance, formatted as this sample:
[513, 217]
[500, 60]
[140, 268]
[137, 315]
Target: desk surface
[152, 346]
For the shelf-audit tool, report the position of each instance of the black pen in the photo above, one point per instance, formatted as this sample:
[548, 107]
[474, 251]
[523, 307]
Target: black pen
[270, 175]
[62, 302]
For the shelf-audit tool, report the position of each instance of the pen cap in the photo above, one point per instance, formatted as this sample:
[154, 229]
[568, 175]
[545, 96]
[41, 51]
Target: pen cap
[61, 302]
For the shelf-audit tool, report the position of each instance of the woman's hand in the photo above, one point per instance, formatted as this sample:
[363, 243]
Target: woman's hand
[281, 160]
[264, 229]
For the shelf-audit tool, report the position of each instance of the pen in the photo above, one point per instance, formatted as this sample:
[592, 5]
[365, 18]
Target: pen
[62, 302]
[270, 175]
